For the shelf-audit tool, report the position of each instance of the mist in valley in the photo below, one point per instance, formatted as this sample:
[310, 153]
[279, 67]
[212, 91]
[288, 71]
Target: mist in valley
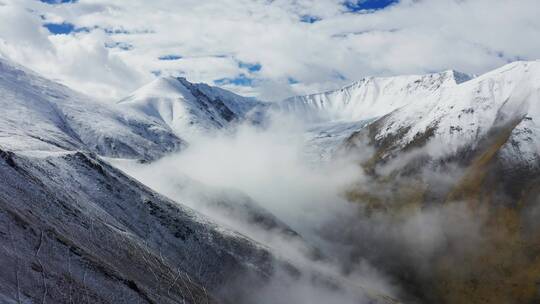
[257, 179]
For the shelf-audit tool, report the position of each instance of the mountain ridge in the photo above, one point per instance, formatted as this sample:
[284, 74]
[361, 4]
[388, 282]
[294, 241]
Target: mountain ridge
[44, 115]
[370, 97]
[190, 109]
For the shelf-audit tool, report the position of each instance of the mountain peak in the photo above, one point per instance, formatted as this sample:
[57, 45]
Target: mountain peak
[160, 87]
[176, 80]
[61, 119]
[188, 108]
[457, 76]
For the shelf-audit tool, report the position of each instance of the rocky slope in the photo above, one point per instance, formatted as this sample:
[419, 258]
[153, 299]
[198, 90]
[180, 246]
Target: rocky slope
[75, 229]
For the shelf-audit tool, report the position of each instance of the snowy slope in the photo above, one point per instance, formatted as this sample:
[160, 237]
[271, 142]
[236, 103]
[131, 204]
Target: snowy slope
[460, 118]
[39, 114]
[447, 112]
[324, 139]
[189, 109]
[371, 97]
[74, 229]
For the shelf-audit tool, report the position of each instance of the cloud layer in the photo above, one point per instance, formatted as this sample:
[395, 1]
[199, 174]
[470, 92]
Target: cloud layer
[269, 49]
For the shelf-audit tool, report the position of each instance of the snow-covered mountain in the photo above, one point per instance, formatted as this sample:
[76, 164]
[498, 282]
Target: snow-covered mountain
[475, 145]
[448, 112]
[75, 229]
[39, 114]
[370, 97]
[189, 109]
[503, 102]
[333, 116]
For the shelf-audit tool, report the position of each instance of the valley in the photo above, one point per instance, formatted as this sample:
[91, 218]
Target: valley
[405, 189]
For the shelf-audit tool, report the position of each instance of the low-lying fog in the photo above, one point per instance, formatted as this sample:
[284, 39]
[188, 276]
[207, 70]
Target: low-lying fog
[258, 180]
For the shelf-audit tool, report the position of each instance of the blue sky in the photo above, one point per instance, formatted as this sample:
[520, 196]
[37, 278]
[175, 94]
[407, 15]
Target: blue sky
[269, 49]
[59, 28]
[251, 67]
[240, 80]
[170, 57]
[359, 5]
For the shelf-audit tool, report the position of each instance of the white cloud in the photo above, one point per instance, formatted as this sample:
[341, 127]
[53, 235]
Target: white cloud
[213, 36]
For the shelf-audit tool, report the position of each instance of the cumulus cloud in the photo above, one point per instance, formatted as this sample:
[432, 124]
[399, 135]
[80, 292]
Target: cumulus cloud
[213, 38]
